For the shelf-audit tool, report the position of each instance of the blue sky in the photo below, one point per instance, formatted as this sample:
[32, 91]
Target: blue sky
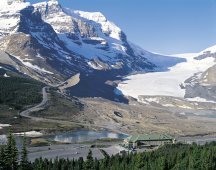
[163, 26]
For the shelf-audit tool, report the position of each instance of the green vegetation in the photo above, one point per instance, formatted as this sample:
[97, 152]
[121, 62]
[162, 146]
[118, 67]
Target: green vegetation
[39, 142]
[20, 124]
[9, 154]
[168, 157]
[18, 92]
[24, 164]
[60, 107]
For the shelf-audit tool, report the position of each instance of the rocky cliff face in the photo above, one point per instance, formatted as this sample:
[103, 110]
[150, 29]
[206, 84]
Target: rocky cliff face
[52, 43]
[91, 35]
[203, 84]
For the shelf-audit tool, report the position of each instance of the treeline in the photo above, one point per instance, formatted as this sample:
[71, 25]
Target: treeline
[18, 92]
[9, 156]
[169, 157]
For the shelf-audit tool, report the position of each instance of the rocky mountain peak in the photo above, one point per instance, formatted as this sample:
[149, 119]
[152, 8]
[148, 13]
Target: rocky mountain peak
[107, 27]
[56, 42]
[10, 2]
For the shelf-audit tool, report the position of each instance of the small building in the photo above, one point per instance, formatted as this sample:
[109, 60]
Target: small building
[141, 141]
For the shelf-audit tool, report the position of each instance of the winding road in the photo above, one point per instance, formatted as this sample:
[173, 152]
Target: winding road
[40, 106]
[197, 139]
[43, 104]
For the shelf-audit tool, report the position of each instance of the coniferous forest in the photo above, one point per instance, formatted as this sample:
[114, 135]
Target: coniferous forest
[168, 157]
[18, 92]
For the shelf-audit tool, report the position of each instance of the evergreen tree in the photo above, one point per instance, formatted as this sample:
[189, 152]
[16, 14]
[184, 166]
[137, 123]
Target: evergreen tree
[2, 159]
[80, 163]
[97, 165]
[24, 164]
[89, 164]
[175, 157]
[11, 153]
[139, 163]
[166, 166]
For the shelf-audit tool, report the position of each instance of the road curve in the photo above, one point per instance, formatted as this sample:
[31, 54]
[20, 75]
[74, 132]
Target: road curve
[43, 104]
[40, 106]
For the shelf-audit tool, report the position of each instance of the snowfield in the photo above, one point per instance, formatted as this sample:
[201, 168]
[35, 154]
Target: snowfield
[30, 65]
[10, 15]
[165, 83]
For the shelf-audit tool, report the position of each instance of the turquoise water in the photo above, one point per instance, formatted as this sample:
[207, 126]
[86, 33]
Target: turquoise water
[86, 136]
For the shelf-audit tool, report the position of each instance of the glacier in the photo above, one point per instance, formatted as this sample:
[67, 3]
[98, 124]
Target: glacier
[167, 83]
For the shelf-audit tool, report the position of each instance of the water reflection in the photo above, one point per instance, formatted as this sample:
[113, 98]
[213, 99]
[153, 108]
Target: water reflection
[86, 136]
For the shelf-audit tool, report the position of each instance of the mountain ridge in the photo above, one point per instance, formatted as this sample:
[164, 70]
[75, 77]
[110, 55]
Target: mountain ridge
[51, 43]
[41, 39]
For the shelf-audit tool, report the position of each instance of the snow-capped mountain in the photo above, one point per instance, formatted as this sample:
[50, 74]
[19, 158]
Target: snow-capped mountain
[52, 43]
[91, 35]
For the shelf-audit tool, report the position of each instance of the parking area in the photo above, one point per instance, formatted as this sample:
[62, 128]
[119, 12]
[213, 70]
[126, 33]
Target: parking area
[113, 150]
[75, 151]
[63, 151]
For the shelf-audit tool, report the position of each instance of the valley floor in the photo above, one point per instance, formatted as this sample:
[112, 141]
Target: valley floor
[62, 114]
[141, 118]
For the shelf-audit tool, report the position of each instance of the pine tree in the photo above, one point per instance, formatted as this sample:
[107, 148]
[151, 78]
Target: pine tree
[139, 163]
[24, 164]
[80, 163]
[2, 159]
[11, 153]
[89, 164]
[97, 165]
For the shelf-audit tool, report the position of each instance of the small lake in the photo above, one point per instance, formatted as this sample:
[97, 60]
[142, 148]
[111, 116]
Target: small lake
[85, 136]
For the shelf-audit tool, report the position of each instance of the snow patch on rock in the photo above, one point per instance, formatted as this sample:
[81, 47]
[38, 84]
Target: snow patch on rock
[199, 99]
[5, 75]
[30, 65]
[107, 26]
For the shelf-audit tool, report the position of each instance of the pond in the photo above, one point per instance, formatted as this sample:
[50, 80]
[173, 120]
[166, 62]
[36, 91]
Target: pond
[86, 136]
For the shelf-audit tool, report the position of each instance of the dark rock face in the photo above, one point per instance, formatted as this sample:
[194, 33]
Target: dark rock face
[202, 85]
[51, 44]
[94, 85]
[209, 76]
[37, 42]
[206, 55]
[198, 90]
[90, 35]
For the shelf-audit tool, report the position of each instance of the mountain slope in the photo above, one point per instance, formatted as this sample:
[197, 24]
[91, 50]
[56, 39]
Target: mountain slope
[51, 43]
[91, 35]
